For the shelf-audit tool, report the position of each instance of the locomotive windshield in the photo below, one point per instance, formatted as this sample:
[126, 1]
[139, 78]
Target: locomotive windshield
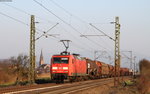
[60, 60]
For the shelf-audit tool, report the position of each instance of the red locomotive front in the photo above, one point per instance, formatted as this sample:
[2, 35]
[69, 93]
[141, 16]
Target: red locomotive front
[59, 67]
[66, 65]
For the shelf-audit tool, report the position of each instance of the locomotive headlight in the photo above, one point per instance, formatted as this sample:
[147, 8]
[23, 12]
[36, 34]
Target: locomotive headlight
[65, 68]
[54, 67]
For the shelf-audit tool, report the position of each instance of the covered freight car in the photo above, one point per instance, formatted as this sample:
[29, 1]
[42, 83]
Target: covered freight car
[124, 71]
[92, 68]
[111, 70]
[103, 69]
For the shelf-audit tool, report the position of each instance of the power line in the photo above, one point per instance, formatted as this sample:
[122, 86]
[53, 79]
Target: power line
[20, 10]
[75, 37]
[72, 15]
[67, 11]
[102, 38]
[17, 9]
[28, 24]
[56, 16]
[38, 29]
[14, 19]
[20, 22]
[63, 20]
[102, 32]
[125, 56]
[47, 31]
[61, 7]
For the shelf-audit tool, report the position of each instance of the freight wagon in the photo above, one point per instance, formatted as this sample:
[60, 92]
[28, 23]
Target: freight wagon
[103, 69]
[124, 71]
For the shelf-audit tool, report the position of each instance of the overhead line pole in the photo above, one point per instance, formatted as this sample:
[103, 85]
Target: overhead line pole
[117, 52]
[32, 72]
[117, 49]
[32, 51]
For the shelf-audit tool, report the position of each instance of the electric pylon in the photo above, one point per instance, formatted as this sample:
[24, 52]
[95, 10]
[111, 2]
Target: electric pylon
[32, 51]
[117, 52]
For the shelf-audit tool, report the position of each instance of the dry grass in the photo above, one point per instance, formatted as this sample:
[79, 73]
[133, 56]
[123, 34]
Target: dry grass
[144, 80]
[6, 78]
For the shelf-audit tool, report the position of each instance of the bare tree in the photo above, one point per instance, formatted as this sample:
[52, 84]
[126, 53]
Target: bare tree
[20, 67]
[5, 71]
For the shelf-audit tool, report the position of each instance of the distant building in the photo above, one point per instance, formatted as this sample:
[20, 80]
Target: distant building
[41, 62]
[43, 68]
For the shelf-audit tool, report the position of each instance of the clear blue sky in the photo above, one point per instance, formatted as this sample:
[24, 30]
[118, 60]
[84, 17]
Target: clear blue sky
[134, 19]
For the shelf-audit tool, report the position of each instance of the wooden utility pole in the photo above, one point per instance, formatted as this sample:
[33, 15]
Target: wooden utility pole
[32, 51]
[117, 52]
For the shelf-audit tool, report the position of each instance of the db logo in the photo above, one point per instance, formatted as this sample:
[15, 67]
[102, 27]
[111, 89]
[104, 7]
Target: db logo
[60, 67]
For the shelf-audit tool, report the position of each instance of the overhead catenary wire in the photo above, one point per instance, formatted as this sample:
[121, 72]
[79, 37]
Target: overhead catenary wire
[57, 16]
[22, 11]
[46, 31]
[19, 21]
[70, 13]
[104, 41]
[75, 30]
[62, 20]
[14, 19]
[125, 55]
[75, 37]
[102, 32]
[67, 11]
[60, 7]
[22, 21]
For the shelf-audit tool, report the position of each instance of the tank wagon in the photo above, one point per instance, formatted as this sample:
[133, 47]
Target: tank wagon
[75, 68]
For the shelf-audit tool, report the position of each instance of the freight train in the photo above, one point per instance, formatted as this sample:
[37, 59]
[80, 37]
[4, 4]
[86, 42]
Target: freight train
[75, 68]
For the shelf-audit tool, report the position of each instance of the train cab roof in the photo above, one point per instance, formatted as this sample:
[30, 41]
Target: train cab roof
[67, 54]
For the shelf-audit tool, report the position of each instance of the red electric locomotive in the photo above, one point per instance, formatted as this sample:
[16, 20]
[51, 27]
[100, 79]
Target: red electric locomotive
[73, 67]
[66, 66]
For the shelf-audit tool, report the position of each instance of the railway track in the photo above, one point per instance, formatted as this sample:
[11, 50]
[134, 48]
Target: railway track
[79, 87]
[57, 88]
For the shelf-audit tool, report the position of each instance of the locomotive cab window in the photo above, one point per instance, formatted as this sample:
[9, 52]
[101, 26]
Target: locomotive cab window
[61, 60]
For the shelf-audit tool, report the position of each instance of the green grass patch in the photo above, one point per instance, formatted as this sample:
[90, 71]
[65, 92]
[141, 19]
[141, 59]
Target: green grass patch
[7, 84]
